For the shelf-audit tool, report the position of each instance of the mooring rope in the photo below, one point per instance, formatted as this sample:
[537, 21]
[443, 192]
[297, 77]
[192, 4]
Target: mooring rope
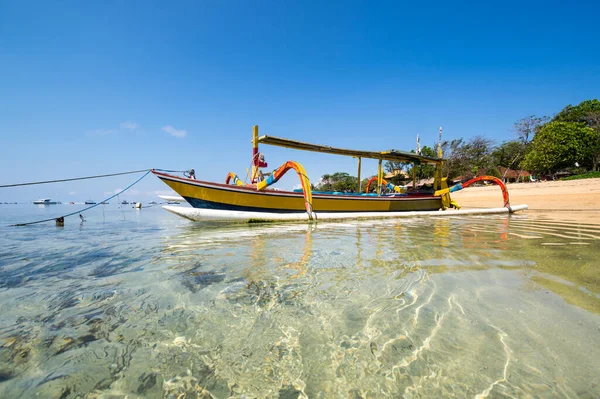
[89, 177]
[72, 179]
[170, 171]
[89, 207]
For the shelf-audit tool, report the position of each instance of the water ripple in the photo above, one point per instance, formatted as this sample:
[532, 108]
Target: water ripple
[149, 306]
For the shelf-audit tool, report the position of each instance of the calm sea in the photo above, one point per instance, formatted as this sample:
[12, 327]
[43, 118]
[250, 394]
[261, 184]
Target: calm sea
[145, 304]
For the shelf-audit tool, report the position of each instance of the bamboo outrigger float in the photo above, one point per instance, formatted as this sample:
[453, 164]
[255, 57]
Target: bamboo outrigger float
[235, 200]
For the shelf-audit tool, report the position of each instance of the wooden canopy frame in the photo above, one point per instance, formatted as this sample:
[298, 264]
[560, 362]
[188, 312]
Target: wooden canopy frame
[390, 155]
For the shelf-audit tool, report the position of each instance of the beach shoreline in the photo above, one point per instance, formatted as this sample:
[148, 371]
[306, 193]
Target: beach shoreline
[562, 195]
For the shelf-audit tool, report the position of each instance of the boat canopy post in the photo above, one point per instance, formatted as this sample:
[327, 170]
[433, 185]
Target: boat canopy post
[359, 159]
[254, 154]
[414, 176]
[379, 177]
[437, 177]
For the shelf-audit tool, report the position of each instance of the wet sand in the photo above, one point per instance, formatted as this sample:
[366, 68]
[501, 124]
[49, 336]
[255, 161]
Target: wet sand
[568, 196]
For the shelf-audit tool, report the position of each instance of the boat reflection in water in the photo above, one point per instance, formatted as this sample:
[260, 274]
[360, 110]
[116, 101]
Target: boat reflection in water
[395, 302]
[466, 307]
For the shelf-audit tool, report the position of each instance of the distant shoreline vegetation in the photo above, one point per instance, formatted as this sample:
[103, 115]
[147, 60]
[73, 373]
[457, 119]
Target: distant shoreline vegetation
[544, 148]
[589, 175]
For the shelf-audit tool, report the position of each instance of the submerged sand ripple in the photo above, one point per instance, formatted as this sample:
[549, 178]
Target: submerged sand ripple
[414, 308]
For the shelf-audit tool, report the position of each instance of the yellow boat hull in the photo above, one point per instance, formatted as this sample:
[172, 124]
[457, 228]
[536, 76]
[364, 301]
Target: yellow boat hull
[208, 195]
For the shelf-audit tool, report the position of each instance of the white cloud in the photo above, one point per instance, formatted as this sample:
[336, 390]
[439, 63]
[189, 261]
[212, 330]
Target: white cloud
[72, 192]
[174, 132]
[129, 125]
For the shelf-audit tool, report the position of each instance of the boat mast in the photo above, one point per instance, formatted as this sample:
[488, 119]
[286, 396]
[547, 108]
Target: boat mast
[359, 188]
[437, 179]
[254, 154]
[258, 160]
[439, 149]
[414, 167]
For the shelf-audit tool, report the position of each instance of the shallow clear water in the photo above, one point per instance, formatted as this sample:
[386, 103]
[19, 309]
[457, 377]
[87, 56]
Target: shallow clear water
[145, 304]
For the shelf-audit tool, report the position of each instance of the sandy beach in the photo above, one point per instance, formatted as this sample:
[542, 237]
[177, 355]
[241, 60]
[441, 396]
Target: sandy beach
[570, 195]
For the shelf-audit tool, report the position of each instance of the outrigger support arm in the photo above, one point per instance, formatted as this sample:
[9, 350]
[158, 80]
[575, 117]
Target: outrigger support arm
[235, 178]
[398, 189]
[466, 184]
[279, 172]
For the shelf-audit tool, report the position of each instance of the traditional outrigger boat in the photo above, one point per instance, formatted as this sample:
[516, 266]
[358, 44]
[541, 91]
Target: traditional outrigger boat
[234, 200]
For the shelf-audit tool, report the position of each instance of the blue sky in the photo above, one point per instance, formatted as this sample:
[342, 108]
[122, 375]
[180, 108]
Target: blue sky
[99, 87]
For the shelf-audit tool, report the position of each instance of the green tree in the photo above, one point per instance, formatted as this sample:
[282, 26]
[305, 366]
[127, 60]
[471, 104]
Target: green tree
[560, 145]
[527, 127]
[479, 153]
[392, 166]
[363, 184]
[423, 171]
[578, 113]
[587, 112]
[493, 171]
[325, 183]
[457, 160]
[339, 181]
[593, 121]
[508, 153]
[465, 158]
[511, 154]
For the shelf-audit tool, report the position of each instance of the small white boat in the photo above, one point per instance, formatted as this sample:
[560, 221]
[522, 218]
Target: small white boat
[45, 201]
[175, 199]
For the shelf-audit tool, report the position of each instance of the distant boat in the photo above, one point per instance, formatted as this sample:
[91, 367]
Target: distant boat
[152, 203]
[45, 201]
[89, 202]
[172, 198]
[124, 202]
